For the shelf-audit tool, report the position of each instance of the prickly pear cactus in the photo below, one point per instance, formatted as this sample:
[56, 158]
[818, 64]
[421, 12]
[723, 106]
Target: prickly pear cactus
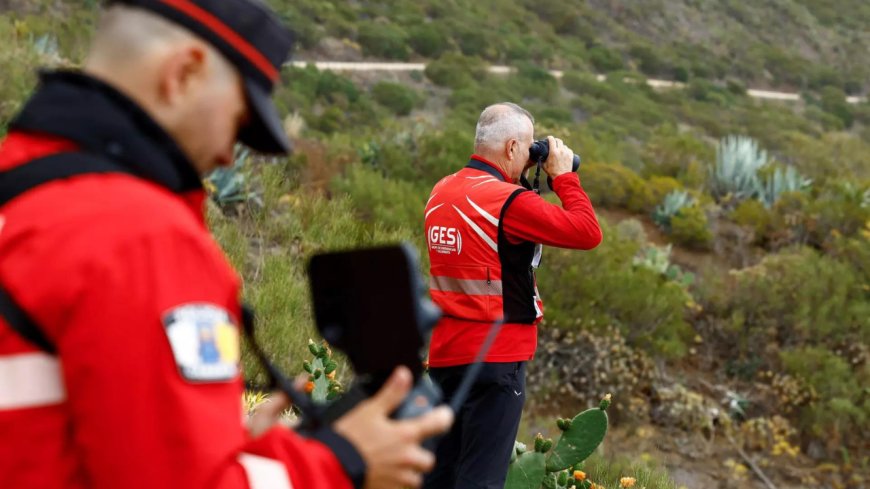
[529, 467]
[580, 437]
[552, 467]
[321, 385]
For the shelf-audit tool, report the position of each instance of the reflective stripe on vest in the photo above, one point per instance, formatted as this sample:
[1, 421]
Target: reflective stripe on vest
[464, 286]
[30, 380]
[265, 473]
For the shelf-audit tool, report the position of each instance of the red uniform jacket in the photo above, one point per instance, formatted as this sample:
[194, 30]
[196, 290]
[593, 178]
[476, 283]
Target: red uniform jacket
[482, 232]
[106, 264]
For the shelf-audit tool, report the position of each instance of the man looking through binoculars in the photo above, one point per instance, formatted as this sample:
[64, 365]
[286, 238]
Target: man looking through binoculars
[484, 234]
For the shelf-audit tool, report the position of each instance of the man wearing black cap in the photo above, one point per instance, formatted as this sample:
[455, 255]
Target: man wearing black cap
[119, 337]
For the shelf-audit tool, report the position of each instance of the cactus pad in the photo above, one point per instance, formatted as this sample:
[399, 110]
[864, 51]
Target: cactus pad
[586, 432]
[527, 471]
[321, 372]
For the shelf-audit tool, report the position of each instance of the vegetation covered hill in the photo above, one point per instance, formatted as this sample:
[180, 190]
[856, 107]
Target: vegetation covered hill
[782, 43]
[730, 299]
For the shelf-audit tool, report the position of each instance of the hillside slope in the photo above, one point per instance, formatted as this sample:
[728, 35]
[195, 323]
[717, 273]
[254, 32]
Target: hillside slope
[776, 43]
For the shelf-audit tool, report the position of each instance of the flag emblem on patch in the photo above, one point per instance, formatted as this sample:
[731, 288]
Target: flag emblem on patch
[204, 341]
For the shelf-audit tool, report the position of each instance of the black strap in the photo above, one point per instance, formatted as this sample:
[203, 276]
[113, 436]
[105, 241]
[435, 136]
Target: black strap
[58, 166]
[21, 323]
[21, 179]
[479, 165]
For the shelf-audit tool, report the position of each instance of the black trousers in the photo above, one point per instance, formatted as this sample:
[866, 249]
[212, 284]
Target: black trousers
[475, 454]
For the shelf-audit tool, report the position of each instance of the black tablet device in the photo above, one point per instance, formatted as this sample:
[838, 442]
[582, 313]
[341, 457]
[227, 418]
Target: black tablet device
[371, 304]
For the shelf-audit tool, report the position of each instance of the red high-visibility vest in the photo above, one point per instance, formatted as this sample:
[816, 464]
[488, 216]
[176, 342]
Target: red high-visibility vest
[476, 274]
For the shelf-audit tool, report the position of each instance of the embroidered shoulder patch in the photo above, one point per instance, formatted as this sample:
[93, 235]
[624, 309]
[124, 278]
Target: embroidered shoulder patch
[204, 341]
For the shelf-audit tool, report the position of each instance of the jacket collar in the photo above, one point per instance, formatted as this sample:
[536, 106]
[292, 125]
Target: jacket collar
[478, 162]
[100, 119]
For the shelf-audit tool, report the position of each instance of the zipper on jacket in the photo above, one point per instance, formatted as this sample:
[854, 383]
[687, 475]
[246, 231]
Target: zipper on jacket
[488, 281]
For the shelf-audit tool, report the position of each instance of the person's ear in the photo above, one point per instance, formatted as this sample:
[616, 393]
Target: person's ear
[511, 149]
[182, 73]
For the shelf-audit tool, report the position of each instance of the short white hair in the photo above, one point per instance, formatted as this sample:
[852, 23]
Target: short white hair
[499, 123]
[125, 34]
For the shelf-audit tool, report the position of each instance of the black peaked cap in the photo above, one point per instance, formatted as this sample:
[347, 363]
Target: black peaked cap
[252, 38]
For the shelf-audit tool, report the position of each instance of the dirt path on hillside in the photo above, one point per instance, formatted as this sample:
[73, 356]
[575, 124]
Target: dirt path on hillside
[499, 69]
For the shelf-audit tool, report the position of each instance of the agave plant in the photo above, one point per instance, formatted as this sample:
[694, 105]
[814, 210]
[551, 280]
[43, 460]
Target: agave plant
[228, 186]
[735, 175]
[779, 182]
[669, 207]
[47, 46]
[854, 194]
[656, 258]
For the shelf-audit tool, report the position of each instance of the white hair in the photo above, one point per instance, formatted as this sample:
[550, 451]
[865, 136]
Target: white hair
[499, 123]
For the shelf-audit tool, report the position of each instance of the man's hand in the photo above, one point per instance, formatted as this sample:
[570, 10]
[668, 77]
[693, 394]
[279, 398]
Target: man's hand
[560, 159]
[268, 414]
[391, 449]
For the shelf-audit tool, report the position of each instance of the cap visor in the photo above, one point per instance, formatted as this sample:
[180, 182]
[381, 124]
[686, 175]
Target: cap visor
[265, 132]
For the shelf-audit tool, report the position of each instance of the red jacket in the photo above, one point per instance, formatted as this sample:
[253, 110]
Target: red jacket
[107, 265]
[482, 232]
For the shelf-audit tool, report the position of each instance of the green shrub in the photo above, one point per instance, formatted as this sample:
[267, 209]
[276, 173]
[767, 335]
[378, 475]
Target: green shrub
[383, 40]
[839, 210]
[689, 227]
[392, 203]
[794, 298]
[397, 97]
[427, 40]
[855, 252]
[442, 152]
[791, 220]
[832, 156]
[604, 59]
[753, 215]
[613, 185]
[708, 92]
[587, 85]
[828, 121]
[417, 154]
[473, 41]
[332, 87]
[680, 74]
[533, 82]
[554, 116]
[455, 70]
[528, 47]
[647, 59]
[833, 101]
[736, 87]
[331, 120]
[602, 288]
[841, 413]
[681, 155]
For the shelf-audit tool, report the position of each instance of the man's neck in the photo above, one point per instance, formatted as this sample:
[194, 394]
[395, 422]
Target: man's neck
[496, 163]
